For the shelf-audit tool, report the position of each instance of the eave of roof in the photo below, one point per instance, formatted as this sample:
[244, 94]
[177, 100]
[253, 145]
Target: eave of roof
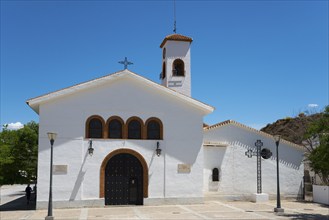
[232, 122]
[35, 102]
[215, 144]
[175, 37]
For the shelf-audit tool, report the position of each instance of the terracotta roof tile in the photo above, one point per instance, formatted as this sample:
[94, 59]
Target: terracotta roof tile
[176, 37]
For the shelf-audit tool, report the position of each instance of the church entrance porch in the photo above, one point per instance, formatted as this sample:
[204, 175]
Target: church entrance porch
[124, 178]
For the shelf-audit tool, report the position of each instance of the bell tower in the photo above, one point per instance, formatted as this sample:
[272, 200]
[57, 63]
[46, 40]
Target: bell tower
[176, 63]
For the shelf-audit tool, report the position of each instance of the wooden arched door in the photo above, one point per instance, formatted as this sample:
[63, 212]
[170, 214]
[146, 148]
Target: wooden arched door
[123, 180]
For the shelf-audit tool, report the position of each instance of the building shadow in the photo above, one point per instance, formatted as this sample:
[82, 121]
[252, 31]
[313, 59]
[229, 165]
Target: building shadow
[79, 180]
[307, 216]
[311, 202]
[19, 204]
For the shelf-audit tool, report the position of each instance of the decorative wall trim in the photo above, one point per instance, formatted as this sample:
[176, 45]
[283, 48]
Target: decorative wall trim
[105, 125]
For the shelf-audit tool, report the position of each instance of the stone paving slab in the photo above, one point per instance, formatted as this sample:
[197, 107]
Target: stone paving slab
[111, 211]
[172, 216]
[232, 215]
[159, 209]
[210, 208]
[253, 207]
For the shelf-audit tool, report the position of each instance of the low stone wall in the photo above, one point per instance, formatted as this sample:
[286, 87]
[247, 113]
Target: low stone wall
[321, 194]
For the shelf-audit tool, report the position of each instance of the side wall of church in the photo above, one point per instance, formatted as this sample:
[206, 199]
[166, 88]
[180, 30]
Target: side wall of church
[181, 144]
[238, 176]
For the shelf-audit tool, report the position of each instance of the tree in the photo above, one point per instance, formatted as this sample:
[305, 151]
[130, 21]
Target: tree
[18, 154]
[319, 156]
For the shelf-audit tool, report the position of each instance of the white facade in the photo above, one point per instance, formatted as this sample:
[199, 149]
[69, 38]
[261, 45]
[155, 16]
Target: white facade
[183, 171]
[124, 95]
[238, 173]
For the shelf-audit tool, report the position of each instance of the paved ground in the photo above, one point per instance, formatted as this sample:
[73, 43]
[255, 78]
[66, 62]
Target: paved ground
[209, 210]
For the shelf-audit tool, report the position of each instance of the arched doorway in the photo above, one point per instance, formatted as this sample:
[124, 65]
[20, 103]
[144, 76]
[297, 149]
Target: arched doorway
[124, 178]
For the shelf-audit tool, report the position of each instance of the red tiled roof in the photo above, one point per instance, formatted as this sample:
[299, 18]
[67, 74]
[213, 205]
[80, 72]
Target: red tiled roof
[175, 37]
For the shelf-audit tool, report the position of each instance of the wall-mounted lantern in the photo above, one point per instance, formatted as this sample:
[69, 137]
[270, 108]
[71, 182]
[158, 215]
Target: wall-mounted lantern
[90, 148]
[158, 150]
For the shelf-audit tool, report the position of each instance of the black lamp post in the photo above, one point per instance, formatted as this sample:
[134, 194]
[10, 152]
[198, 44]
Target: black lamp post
[278, 201]
[52, 137]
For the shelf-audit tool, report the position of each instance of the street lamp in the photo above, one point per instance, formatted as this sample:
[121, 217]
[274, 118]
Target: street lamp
[278, 201]
[52, 137]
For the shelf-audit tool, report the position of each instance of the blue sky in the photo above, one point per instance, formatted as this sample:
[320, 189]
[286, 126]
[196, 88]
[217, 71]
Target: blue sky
[254, 61]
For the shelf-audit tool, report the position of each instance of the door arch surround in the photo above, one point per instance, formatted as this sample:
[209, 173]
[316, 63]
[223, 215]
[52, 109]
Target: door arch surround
[120, 151]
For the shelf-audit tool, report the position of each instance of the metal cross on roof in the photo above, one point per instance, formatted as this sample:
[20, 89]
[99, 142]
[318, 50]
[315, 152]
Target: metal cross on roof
[125, 63]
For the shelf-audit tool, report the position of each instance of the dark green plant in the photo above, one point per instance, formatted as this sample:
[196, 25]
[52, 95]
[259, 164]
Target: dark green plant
[318, 131]
[18, 154]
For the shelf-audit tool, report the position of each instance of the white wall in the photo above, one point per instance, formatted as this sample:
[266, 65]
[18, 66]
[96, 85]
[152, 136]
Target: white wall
[125, 98]
[238, 172]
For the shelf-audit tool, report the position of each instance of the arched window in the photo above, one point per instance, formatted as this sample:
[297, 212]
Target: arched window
[135, 126]
[115, 127]
[163, 70]
[215, 175]
[154, 129]
[178, 68]
[94, 127]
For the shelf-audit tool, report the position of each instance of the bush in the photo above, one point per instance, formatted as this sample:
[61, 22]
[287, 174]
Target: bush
[319, 156]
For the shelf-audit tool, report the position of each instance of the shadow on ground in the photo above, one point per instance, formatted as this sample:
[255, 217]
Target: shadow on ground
[307, 216]
[19, 204]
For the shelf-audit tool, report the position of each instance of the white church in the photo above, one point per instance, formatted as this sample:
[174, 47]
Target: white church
[124, 139]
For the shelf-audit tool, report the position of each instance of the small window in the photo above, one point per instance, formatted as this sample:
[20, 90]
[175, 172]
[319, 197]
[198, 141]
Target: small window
[134, 129]
[163, 70]
[153, 130]
[95, 128]
[215, 175]
[115, 129]
[178, 68]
